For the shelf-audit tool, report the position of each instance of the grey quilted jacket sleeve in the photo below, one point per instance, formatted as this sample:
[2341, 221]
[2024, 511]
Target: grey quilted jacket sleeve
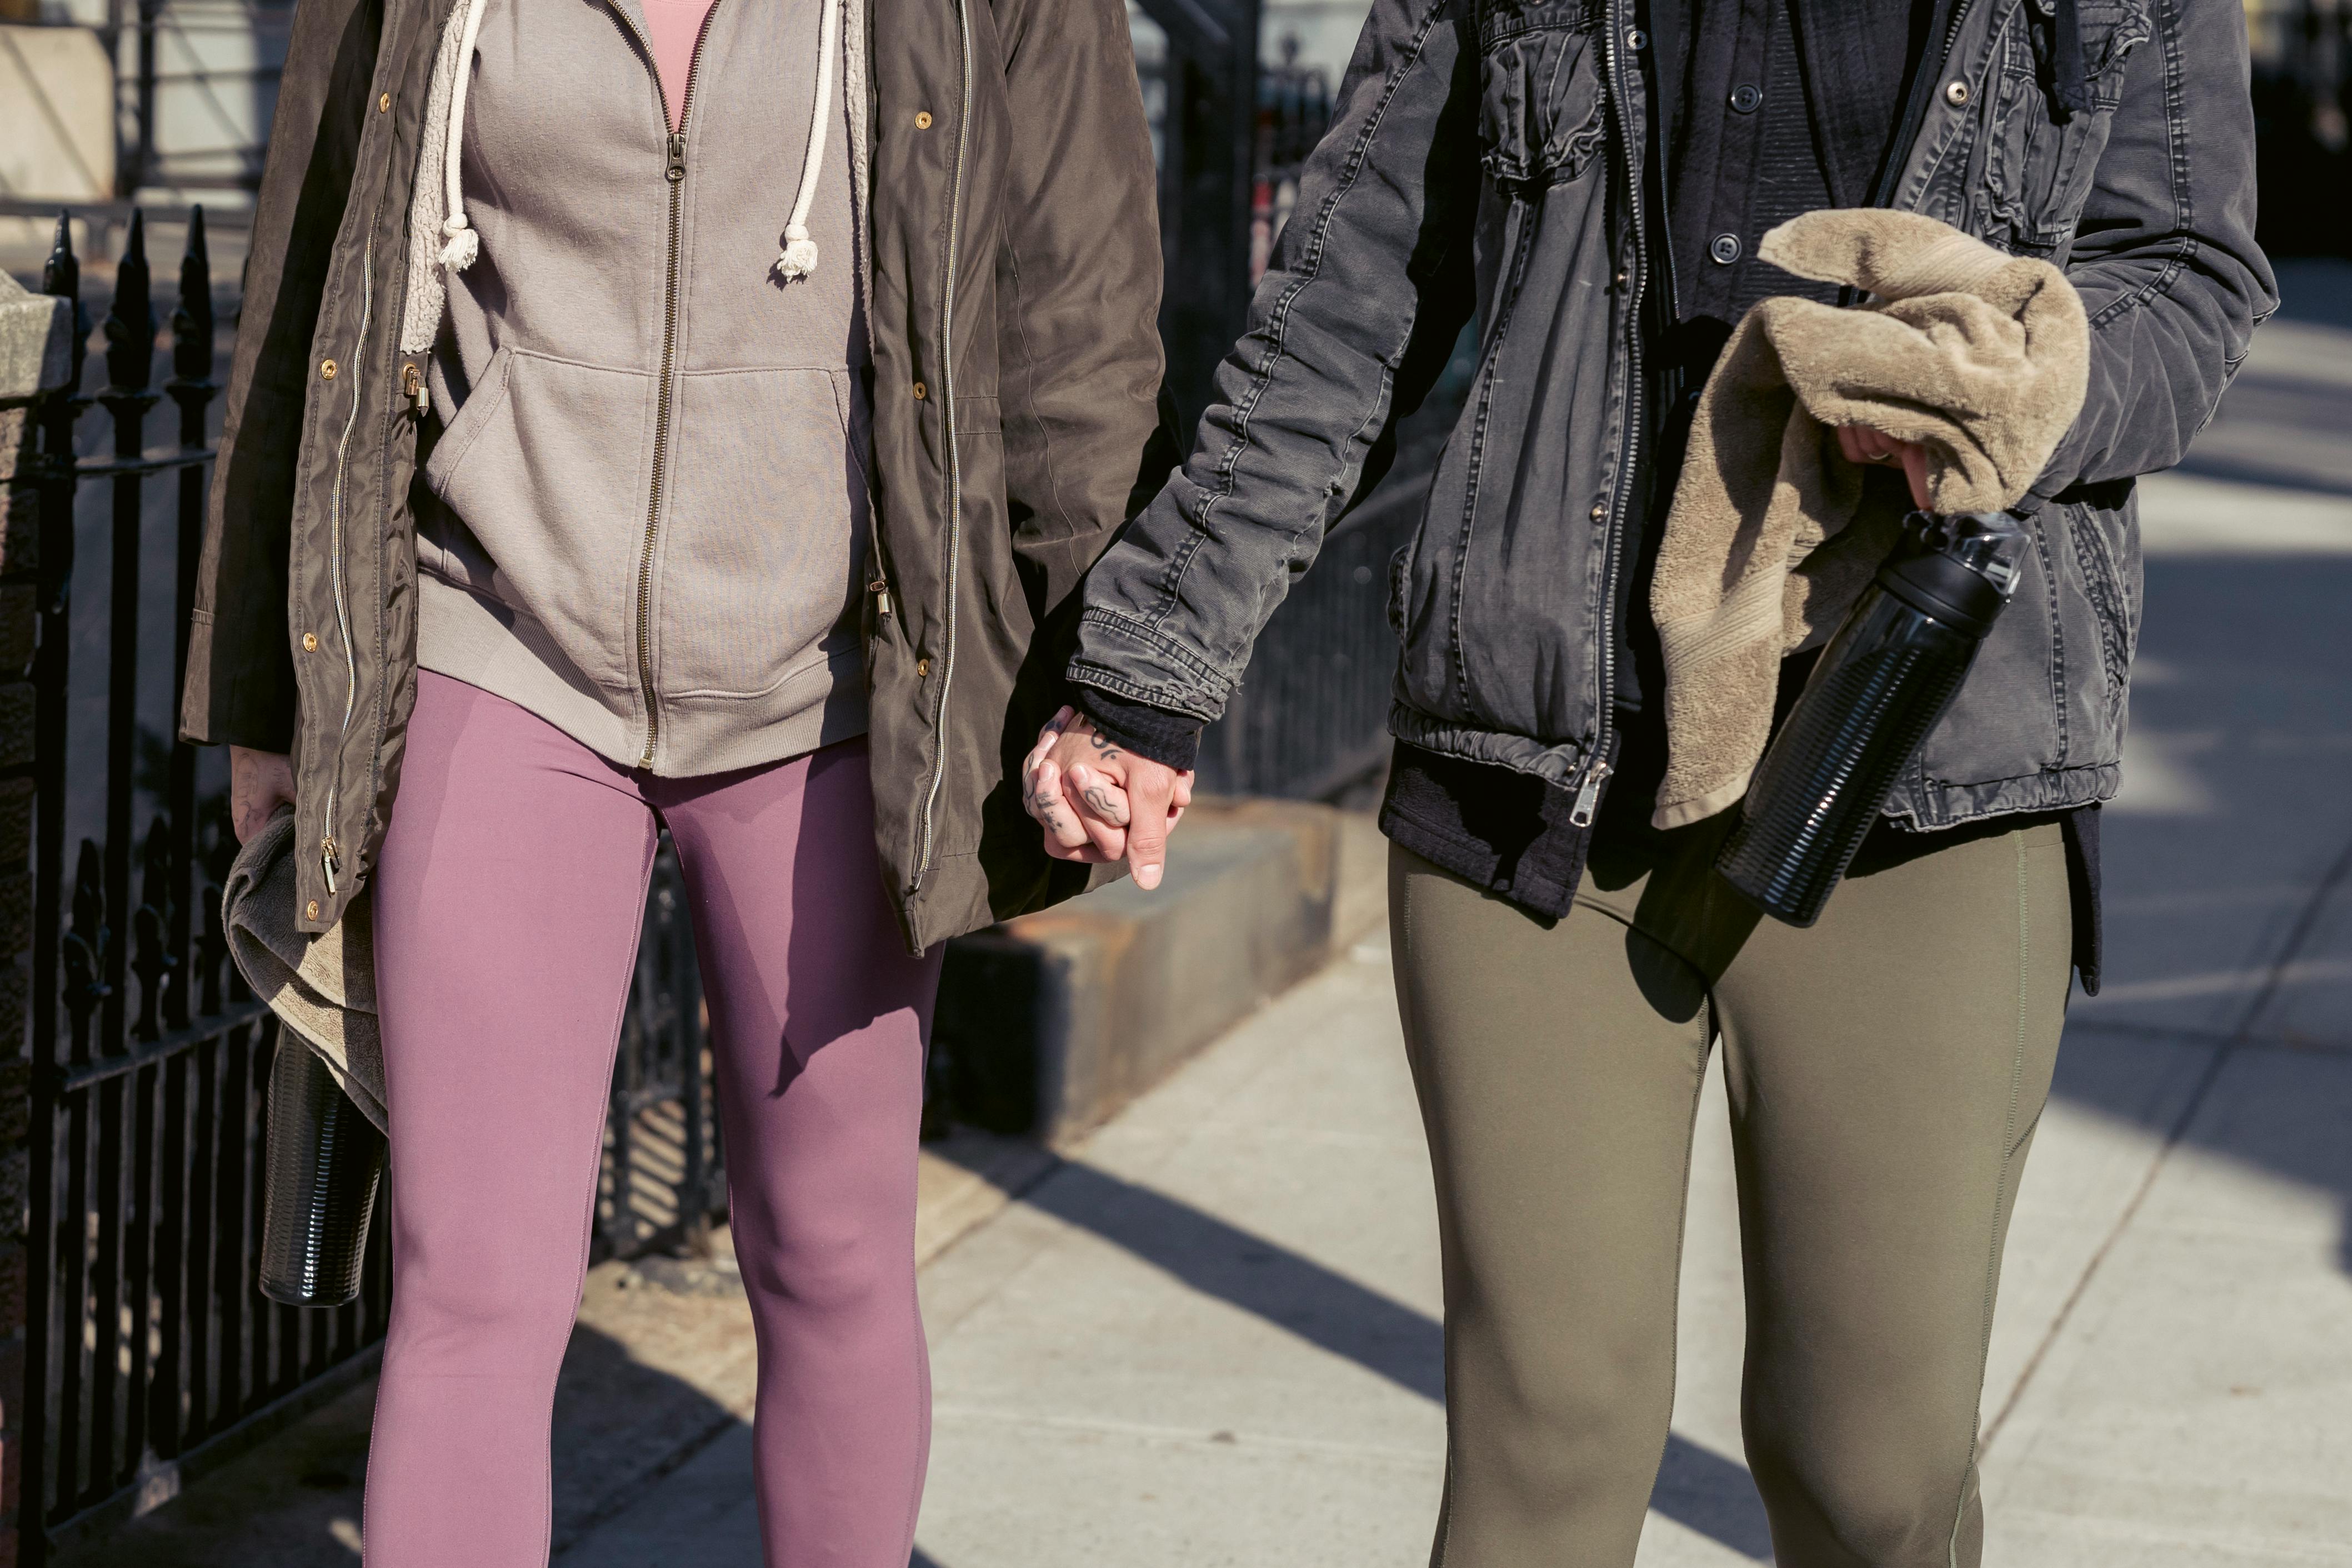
[1346, 332]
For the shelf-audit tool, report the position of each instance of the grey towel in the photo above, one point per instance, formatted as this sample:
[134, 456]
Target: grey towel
[321, 988]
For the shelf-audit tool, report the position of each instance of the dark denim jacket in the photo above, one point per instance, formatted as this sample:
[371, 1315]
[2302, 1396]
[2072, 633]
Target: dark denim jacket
[1491, 155]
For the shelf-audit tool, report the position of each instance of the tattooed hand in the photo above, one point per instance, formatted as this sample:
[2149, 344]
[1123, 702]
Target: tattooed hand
[1098, 802]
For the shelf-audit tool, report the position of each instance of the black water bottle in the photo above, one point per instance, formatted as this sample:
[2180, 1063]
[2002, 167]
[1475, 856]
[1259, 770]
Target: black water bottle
[325, 1161]
[1881, 686]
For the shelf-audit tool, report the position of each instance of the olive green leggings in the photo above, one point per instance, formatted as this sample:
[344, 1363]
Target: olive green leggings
[1886, 1069]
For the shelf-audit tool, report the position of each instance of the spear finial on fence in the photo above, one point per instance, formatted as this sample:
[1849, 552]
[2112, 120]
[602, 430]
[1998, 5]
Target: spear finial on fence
[85, 947]
[131, 323]
[153, 959]
[61, 279]
[192, 322]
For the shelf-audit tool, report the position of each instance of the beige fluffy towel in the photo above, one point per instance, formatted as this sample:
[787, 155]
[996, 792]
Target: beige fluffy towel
[321, 988]
[1979, 356]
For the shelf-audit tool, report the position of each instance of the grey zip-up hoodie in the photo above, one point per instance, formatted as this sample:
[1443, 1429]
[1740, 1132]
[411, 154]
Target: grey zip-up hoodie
[652, 466]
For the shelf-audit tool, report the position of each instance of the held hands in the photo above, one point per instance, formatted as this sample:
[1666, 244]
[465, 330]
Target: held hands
[1097, 801]
[1865, 446]
[259, 783]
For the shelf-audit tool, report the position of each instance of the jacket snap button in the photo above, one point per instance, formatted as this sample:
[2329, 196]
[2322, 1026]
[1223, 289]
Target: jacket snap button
[1599, 511]
[1637, 40]
[921, 391]
[309, 641]
[327, 369]
[1956, 93]
[311, 910]
[922, 668]
[383, 103]
[923, 120]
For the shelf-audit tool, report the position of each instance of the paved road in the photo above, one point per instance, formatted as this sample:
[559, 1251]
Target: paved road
[1213, 1337]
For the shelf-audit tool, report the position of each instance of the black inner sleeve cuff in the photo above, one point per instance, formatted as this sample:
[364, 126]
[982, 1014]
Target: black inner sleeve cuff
[1170, 739]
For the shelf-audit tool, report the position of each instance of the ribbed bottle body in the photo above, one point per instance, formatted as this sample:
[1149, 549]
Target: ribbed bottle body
[326, 1161]
[1881, 686]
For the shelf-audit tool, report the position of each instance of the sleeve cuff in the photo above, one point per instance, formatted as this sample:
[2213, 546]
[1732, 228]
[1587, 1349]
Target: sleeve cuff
[1170, 739]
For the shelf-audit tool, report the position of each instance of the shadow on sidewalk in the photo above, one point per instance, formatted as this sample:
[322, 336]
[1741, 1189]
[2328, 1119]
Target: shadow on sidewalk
[294, 1502]
[2228, 870]
[1701, 1490]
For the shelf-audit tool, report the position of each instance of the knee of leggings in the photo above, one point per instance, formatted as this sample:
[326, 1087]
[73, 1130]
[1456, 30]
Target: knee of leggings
[832, 1264]
[497, 1314]
[1875, 1504]
[1546, 1430]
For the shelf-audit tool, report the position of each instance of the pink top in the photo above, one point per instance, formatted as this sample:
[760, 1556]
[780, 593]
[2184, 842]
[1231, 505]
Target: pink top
[672, 26]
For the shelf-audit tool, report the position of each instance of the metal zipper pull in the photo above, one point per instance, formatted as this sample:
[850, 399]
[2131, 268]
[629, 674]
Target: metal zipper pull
[412, 381]
[880, 589]
[329, 861]
[676, 156]
[1588, 799]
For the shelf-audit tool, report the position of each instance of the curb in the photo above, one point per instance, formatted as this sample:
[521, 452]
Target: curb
[1050, 1023]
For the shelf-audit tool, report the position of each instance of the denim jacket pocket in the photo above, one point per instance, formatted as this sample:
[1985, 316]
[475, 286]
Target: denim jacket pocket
[1400, 585]
[2105, 546]
[1541, 108]
[2039, 160]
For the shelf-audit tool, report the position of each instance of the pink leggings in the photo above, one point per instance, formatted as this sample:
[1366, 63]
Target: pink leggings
[507, 910]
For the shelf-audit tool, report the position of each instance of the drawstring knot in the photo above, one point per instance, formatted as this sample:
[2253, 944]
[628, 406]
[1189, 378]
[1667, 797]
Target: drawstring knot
[799, 258]
[464, 245]
[800, 254]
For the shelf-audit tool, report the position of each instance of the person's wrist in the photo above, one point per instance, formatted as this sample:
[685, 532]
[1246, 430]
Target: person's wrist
[1156, 735]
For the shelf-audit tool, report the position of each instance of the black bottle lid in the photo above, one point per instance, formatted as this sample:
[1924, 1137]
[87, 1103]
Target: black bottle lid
[1959, 569]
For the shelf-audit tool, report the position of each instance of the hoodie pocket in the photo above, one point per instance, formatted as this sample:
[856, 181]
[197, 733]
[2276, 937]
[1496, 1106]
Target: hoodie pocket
[545, 466]
[764, 531]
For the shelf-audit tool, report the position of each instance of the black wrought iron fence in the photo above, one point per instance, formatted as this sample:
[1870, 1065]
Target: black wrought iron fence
[151, 1353]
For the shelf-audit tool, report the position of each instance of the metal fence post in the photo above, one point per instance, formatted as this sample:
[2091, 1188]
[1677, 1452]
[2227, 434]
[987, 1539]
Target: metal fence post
[1205, 185]
[35, 346]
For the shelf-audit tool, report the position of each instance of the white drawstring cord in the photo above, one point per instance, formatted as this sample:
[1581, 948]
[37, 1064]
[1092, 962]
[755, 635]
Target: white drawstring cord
[464, 245]
[800, 251]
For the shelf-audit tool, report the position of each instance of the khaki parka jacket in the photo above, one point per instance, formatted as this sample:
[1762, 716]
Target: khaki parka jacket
[1016, 271]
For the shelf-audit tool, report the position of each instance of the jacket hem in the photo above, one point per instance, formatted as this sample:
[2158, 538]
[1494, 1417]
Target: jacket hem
[1558, 766]
[1941, 804]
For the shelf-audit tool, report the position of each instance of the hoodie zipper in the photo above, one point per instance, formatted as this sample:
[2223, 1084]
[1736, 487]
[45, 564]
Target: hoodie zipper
[673, 171]
[955, 468]
[330, 859]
